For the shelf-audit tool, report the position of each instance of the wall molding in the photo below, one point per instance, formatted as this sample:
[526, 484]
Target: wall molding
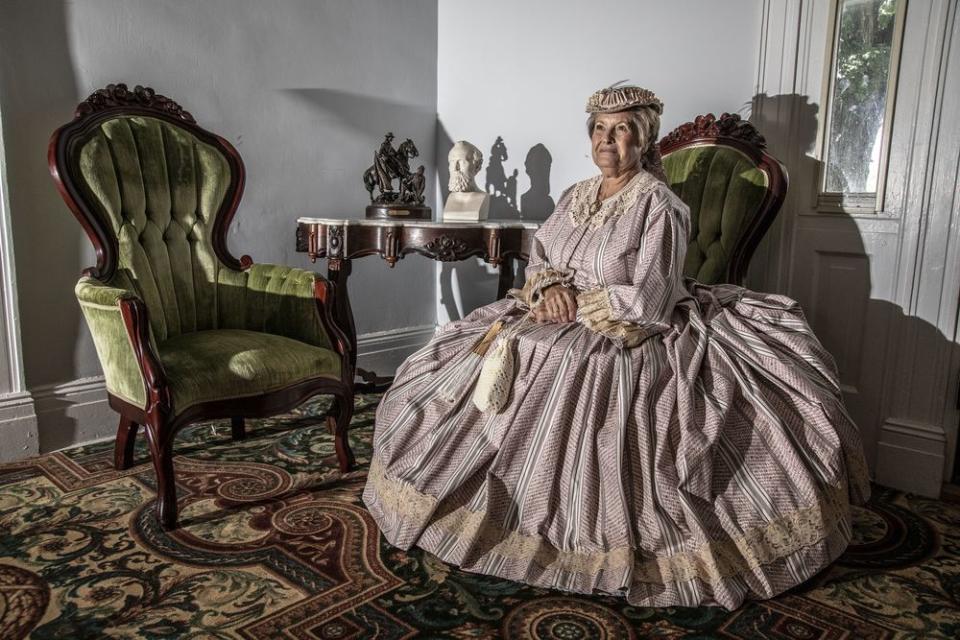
[921, 374]
[384, 351]
[73, 412]
[77, 412]
[910, 456]
[11, 355]
[18, 427]
[19, 433]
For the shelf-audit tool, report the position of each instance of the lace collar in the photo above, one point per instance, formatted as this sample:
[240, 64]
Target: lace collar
[584, 196]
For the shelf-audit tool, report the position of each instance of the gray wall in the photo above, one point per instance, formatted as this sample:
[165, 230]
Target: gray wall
[524, 70]
[305, 89]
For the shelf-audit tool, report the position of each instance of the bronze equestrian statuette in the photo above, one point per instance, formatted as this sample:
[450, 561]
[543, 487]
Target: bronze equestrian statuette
[400, 190]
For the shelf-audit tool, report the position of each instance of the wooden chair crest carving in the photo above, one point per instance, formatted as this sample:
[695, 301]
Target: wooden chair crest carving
[720, 168]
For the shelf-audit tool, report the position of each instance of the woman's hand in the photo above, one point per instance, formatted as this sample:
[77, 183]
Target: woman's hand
[559, 305]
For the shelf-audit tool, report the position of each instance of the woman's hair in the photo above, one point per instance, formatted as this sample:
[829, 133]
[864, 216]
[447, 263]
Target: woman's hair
[645, 123]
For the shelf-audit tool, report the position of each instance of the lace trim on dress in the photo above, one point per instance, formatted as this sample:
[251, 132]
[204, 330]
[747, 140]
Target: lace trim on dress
[584, 196]
[828, 519]
[595, 311]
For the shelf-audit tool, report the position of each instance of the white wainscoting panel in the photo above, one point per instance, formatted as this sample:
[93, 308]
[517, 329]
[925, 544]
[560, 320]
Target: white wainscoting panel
[841, 274]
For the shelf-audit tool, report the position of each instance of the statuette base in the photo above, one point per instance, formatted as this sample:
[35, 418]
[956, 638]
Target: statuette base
[399, 212]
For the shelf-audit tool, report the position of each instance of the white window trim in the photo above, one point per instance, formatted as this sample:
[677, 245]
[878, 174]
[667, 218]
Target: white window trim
[857, 203]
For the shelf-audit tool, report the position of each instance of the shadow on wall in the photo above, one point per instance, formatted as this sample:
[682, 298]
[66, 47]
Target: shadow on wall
[363, 114]
[872, 341]
[502, 189]
[773, 117]
[536, 204]
[778, 118]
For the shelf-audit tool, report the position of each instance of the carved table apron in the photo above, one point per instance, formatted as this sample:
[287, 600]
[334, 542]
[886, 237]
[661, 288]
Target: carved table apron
[499, 243]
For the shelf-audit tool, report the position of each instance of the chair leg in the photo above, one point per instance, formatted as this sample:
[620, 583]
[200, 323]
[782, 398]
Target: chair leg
[125, 443]
[341, 426]
[237, 428]
[161, 452]
[332, 412]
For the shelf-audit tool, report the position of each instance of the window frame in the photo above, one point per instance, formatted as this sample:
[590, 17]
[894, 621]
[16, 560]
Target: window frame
[849, 202]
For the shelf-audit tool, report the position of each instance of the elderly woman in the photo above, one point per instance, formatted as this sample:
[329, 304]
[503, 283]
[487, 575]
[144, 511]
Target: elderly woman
[676, 443]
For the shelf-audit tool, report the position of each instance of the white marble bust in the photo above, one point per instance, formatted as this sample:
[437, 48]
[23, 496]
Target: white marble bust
[466, 202]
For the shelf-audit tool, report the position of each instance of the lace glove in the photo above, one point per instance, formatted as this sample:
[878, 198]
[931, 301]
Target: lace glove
[532, 292]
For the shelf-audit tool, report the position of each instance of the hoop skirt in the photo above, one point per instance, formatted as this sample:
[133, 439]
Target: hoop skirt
[679, 444]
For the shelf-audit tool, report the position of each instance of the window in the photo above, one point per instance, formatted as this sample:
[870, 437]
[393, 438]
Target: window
[860, 91]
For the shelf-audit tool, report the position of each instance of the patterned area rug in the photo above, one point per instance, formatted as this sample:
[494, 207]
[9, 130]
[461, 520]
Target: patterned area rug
[276, 544]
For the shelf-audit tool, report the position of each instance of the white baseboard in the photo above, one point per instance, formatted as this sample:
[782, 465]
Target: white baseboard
[18, 427]
[384, 351]
[77, 412]
[74, 412]
[910, 457]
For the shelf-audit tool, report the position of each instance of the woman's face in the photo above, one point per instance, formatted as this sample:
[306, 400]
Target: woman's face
[614, 143]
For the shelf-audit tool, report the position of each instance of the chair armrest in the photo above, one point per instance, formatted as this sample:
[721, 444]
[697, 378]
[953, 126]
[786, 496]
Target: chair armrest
[294, 303]
[120, 326]
[93, 292]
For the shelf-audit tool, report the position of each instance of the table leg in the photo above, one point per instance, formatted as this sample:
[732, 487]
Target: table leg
[505, 282]
[338, 271]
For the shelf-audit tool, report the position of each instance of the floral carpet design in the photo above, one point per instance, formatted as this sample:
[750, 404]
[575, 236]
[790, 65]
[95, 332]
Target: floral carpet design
[276, 543]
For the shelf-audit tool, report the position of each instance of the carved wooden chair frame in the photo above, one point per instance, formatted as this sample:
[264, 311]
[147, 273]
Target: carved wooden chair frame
[731, 131]
[160, 423]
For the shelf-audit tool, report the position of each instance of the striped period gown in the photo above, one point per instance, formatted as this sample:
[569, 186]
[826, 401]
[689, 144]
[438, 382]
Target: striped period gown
[711, 463]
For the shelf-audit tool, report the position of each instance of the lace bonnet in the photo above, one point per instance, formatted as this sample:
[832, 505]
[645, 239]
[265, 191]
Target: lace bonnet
[616, 98]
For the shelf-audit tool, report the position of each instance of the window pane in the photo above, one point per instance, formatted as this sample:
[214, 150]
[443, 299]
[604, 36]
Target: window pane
[859, 94]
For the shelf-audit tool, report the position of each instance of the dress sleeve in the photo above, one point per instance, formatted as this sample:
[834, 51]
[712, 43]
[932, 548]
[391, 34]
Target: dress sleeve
[539, 273]
[635, 311]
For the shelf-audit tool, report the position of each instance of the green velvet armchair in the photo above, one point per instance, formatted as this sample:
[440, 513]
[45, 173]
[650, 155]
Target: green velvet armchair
[734, 188]
[183, 330]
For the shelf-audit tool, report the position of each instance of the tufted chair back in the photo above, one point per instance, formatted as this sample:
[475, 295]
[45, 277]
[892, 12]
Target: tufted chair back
[156, 195]
[734, 190]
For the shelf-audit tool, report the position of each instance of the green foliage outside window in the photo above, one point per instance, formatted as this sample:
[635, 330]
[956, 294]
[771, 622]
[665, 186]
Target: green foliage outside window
[859, 94]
